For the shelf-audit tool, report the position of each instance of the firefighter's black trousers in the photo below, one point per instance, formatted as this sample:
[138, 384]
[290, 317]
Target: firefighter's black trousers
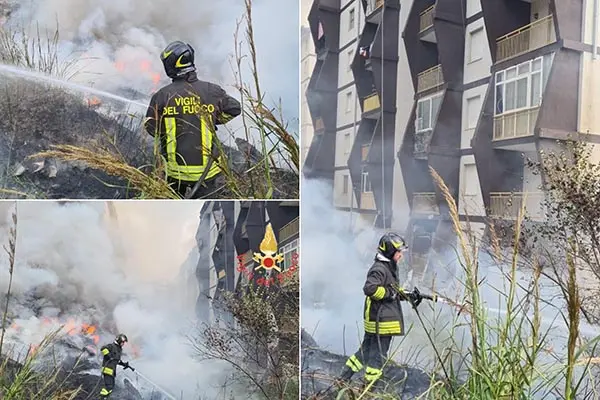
[371, 355]
[109, 385]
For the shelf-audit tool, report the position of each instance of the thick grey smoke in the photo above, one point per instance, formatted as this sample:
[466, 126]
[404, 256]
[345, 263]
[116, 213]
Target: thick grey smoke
[121, 273]
[118, 42]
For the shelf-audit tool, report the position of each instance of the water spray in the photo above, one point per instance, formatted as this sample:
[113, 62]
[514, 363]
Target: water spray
[167, 394]
[31, 75]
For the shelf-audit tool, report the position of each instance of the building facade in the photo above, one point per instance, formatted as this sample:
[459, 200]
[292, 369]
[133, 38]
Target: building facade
[229, 233]
[470, 88]
[308, 59]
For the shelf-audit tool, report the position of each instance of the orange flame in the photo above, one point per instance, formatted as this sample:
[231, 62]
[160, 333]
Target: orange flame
[93, 101]
[120, 66]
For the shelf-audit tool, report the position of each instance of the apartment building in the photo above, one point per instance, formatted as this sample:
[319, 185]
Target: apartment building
[308, 59]
[229, 233]
[470, 88]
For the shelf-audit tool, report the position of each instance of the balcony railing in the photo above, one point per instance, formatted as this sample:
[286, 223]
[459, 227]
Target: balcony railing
[426, 19]
[319, 124]
[367, 201]
[290, 229]
[506, 205]
[515, 124]
[525, 39]
[422, 142]
[374, 5]
[371, 102]
[425, 203]
[365, 152]
[430, 79]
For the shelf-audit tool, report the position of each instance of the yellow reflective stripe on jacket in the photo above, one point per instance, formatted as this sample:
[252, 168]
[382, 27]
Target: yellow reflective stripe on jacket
[105, 392]
[105, 351]
[354, 363]
[108, 371]
[379, 293]
[385, 328]
[189, 172]
[372, 374]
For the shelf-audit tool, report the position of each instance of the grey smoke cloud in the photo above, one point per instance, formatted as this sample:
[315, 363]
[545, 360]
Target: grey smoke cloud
[119, 41]
[73, 263]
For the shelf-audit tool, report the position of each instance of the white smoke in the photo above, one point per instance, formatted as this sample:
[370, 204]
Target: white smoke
[118, 42]
[123, 274]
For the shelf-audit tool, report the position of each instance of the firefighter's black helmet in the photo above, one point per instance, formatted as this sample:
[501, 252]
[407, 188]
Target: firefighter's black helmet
[121, 339]
[390, 243]
[178, 59]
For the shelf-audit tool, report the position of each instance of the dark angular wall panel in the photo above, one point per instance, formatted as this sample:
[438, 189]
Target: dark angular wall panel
[559, 110]
[569, 18]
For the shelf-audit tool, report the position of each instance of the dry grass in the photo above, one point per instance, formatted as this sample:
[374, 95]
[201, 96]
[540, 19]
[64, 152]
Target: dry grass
[150, 185]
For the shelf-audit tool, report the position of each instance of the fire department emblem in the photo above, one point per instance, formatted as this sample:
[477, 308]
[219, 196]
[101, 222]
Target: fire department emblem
[269, 259]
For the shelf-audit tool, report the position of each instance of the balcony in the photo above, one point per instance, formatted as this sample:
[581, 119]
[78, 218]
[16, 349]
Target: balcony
[525, 39]
[429, 79]
[425, 203]
[426, 19]
[373, 5]
[506, 205]
[422, 142]
[515, 124]
[319, 124]
[367, 201]
[371, 103]
[290, 229]
[365, 152]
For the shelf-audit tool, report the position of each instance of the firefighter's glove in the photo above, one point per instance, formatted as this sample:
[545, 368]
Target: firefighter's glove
[415, 298]
[127, 366]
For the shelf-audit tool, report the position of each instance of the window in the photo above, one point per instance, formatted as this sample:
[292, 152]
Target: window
[348, 102]
[365, 182]
[345, 184]
[476, 45]
[350, 54]
[351, 20]
[288, 252]
[521, 86]
[347, 143]
[473, 110]
[427, 110]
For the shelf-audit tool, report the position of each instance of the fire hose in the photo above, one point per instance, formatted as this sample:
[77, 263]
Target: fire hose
[167, 394]
[431, 297]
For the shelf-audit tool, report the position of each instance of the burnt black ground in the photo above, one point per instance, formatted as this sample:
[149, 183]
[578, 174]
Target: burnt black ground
[319, 368]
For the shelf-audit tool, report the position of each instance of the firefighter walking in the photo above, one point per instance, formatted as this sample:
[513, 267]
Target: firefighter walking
[111, 358]
[183, 117]
[382, 311]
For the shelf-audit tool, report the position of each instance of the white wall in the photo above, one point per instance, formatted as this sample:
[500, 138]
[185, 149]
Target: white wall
[478, 59]
[345, 56]
[473, 7]
[404, 104]
[470, 200]
[471, 110]
[343, 145]
[341, 199]
[345, 114]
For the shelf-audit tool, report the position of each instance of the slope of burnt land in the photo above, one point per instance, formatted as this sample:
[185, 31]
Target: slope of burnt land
[320, 367]
[37, 116]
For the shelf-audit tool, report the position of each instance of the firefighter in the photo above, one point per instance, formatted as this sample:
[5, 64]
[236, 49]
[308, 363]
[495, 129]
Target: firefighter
[183, 116]
[112, 357]
[382, 311]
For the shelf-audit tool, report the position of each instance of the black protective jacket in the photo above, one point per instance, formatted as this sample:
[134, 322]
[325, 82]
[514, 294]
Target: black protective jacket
[382, 315]
[112, 357]
[183, 115]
